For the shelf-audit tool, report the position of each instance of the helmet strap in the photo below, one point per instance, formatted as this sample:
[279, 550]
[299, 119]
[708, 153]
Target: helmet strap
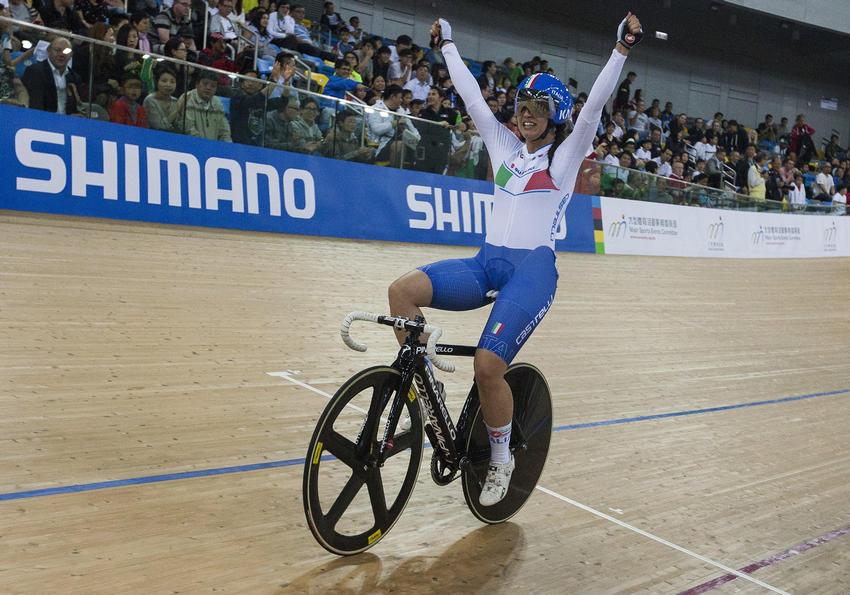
[550, 126]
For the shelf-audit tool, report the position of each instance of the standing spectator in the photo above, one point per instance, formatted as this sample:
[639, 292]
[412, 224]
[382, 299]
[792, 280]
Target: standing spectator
[343, 143]
[160, 106]
[281, 24]
[714, 167]
[386, 131]
[824, 186]
[306, 136]
[201, 113]
[797, 193]
[175, 22]
[755, 178]
[248, 107]
[125, 61]
[60, 14]
[402, 42]
[742, 168]
[51, 85]
[782, 128]
[801, 140]
[331, 21]
[126, 109]
[734, 139]
[667, 116]
[420, 85]
[624, 91]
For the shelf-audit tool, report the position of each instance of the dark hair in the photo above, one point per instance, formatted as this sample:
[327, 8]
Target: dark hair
[171, 44]
[138, 17]
[130, 75]
[404, 53]
[309, 100]
[486, 65]
[439, 91]
[560, 136]
[206, 75]
[390, 91]
[384, 50]
[282, 102]
[256, 16]
[340, 62]
[123, 35]
[161, 70]
[651, 166]
[343, 115]
[631, 74]
[283, 57]
[406, 39]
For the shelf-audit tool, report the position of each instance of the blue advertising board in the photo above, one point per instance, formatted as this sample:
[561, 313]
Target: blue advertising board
[74, 166]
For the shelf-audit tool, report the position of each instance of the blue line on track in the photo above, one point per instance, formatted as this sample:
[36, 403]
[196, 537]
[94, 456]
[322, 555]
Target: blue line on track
[87, 487]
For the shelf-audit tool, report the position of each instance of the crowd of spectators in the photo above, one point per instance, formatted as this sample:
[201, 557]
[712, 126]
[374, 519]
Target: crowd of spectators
[772, 161]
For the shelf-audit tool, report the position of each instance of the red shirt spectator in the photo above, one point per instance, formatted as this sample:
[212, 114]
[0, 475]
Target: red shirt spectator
[800, 129]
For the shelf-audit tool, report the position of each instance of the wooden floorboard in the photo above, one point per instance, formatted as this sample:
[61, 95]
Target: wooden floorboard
[134, 350]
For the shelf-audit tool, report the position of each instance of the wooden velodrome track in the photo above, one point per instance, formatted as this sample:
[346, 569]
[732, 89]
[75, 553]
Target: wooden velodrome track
[138, 351]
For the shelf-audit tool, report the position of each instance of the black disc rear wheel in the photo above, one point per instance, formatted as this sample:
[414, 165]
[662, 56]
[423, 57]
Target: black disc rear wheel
[351, 499]
[530, 436]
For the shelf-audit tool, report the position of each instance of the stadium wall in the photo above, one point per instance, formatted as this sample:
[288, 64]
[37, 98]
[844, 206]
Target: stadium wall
[73, 166]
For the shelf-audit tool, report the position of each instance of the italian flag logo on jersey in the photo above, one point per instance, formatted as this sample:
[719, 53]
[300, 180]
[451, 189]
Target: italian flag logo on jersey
[497, 328]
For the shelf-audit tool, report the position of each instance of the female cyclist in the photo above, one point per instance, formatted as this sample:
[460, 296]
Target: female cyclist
[534, 181]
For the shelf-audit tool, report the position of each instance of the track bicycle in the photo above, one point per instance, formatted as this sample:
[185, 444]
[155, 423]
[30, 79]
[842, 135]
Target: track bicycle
[363, 460]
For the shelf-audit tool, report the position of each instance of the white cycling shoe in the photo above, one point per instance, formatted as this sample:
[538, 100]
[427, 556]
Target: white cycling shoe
[497, 482]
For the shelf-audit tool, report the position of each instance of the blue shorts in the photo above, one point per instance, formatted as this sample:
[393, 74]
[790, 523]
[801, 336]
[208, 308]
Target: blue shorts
[525, 279]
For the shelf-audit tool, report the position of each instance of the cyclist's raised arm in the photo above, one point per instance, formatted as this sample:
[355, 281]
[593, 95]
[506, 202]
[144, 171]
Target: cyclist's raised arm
[572, 151]
[496, 137]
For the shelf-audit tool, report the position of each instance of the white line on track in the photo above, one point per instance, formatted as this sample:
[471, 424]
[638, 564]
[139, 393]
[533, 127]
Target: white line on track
[679, 548]
[287, 375]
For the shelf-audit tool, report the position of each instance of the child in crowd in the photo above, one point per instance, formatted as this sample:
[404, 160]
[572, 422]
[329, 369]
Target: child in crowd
[126, 109]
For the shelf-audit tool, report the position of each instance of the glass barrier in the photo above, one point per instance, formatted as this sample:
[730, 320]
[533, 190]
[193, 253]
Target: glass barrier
[107, 81]
[603, 179]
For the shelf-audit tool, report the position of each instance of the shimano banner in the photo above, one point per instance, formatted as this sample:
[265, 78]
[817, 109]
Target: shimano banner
[73, 166]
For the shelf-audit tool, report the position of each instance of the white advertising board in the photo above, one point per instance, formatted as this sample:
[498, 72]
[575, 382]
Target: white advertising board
[636, 227]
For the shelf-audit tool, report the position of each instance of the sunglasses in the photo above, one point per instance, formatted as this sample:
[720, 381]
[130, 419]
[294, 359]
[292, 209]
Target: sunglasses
[538, 103]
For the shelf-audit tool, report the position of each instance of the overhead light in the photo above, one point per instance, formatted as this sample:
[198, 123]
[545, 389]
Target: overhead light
[26, 44]
[145, 56]
[661, 35]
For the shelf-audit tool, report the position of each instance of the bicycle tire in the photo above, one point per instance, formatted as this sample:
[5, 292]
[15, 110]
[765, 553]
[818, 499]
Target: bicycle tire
[323, 521]
[532, 420]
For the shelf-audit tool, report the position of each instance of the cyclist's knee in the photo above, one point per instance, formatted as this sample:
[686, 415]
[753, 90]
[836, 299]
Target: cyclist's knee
[412, 289]
[489, 368]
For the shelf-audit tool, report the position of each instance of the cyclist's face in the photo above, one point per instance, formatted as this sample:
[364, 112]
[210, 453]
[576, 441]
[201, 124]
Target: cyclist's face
[531, 125]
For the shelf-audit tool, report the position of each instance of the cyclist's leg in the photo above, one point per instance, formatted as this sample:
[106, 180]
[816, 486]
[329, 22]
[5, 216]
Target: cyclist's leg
[521, 305]
[455, 284]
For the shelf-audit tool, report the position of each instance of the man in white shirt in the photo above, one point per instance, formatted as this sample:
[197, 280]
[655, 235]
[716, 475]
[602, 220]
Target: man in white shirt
[420, 85]
[638, 120]
[663, 161]
[51, 83]
[385, 130]
[281, 23]
[824, 187]
[839, 201]
[221, 24]
[619, 125]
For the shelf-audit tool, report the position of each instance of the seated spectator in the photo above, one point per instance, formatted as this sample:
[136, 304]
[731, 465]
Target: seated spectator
[302, 40]
[667, 116]
[287, 81]
[714, 168]
[824, 186]
[699, 169]
[176, 48]
[655, 117]
[400, 72]
[60, 14]
[644, 152]
[21, 11]
[217, 56]
[381, 64]
[663, 160]
[386, 131]
[344, 44]
[767, 130]
[91, 12]
[416, 108]
[379, 84]
[174, 22]
[221, 24]
[201, 113]
[797, 193]
[420, 85]
[127, 37]
[331, 21]
[353, 27]
[281, 25]
[734, 139]
[340, 82]
[786, 172]
[354, 63]
[126, 109]
[161, 105]
[248, 107]
[638, 120]
[278, 133]
[99, 60]
[839, 201]
[305, 134]
[619, 125]
[366, 56]
[402, 42]
[343, 143]
[51, 84]
[833, 150]
[142, 23]
[258, 26]
[406, 100]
